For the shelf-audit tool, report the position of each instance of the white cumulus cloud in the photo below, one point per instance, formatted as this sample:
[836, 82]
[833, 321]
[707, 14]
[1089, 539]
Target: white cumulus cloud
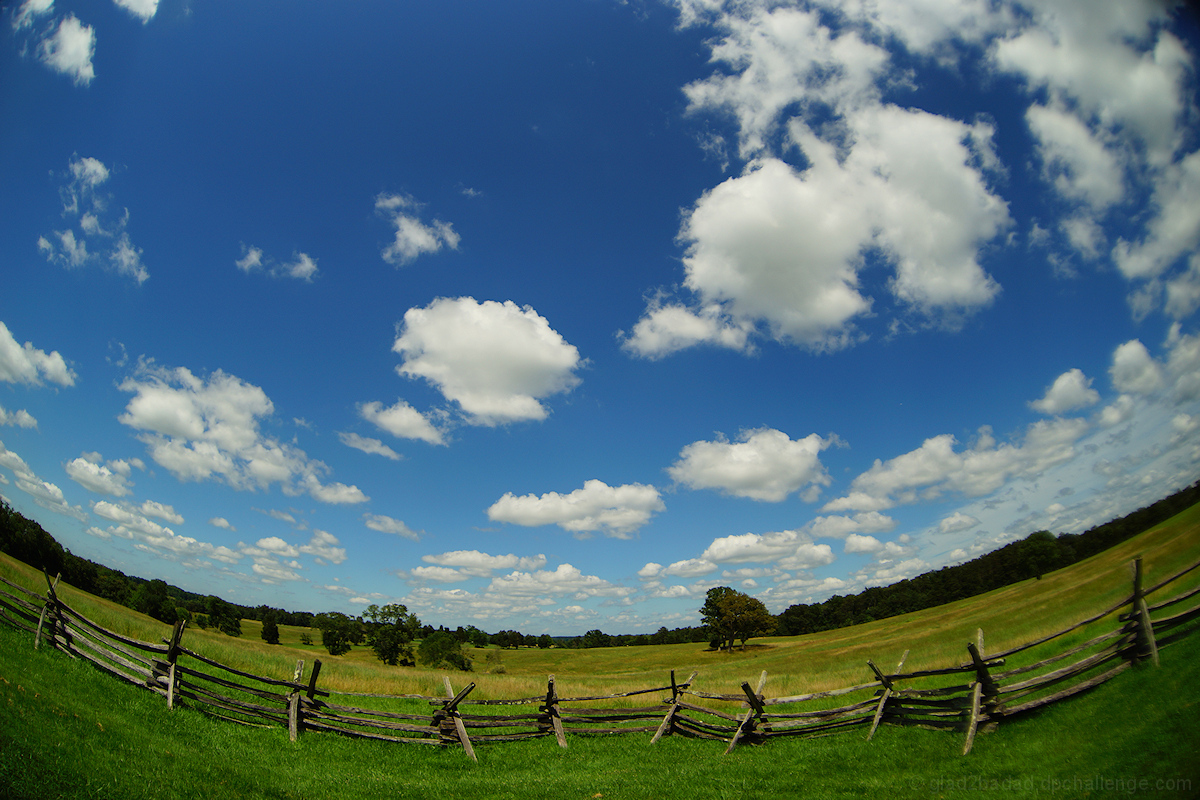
[20, 418]
[401, 420]
[764, 464]
[618, 511]
[1070, 391]
[208, 429]
[413, 237]
[937, 467]
[496, 360]
[70, 49]
[30, 365]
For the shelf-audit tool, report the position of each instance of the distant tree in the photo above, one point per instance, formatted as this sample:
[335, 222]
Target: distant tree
[441, 650]
[270, 628]
[113, 585]
[305, 638]
[476, 637]
[390, 631]
[597, 638]
[151, 598]
[335, 630]
[545, 641]
[1040, 553]
[731, 615]
[513, 639]
[223, 616]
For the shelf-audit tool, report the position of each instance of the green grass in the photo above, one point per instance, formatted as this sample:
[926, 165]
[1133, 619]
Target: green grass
[67, 730]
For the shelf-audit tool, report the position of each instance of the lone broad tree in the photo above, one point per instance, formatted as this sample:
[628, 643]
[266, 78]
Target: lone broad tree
[732, 615]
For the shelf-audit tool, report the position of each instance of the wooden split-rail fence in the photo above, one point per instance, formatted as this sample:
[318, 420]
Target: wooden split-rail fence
[983, 691]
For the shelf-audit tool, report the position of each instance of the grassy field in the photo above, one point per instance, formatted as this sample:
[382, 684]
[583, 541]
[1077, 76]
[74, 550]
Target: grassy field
[67, 730]
[935, 637]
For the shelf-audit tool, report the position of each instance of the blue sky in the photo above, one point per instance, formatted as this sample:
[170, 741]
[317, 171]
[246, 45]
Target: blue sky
[553, 315]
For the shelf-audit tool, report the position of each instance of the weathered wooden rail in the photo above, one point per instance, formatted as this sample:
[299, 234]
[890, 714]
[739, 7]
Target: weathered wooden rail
[980, 695]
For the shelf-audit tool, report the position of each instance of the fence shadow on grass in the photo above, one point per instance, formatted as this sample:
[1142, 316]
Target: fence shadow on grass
[983, 692]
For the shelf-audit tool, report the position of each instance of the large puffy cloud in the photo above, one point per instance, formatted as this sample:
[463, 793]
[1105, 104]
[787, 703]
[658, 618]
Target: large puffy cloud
[1175, 231]
[618, 511]
[1070, 391]
[791, 550]
[496, 360]
[782, 57]
[203, 429]
[779, 249]
[837, 526]
[1076, 162]
[764, 464]
[926, 26]
[111, 479]
[1096, 56]
[413, 237]
[937, 467]
[1134, 370]
[29, 365]
[783, 248]
[769, 246]
[668, 327]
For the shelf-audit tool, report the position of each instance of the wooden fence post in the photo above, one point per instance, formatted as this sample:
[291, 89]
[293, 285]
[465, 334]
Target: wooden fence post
[985, 687]
[753, 714]
[449, 715]
[667, 726]
[172, 656]
[51, 598]
[294, 703]
[551, 709]
[1140, 613]
[885, 694]
[162, 672]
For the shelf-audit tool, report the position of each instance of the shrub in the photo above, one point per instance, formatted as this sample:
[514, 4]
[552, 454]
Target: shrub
[441, 650]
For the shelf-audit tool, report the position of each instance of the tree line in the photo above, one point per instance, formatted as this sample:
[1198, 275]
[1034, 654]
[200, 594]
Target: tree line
[727, 615]
[1031, 557]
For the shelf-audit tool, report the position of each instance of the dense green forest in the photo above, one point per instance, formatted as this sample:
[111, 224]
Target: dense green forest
[1038, 553]
[1033, 556]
